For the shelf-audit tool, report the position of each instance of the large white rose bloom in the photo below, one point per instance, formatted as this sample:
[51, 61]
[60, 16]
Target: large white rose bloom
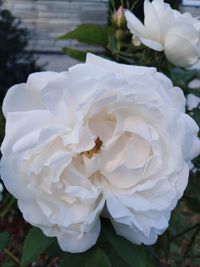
[165, 29]
[102, 137]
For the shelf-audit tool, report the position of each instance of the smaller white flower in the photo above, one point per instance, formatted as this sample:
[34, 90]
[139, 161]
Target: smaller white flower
[166, 29]
[192, 101]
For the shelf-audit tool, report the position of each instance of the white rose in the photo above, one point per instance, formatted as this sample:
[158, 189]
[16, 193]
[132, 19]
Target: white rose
[165, 29]
[102, 135]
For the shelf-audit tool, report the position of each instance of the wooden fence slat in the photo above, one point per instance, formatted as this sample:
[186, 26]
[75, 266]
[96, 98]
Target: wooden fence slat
[48, 19]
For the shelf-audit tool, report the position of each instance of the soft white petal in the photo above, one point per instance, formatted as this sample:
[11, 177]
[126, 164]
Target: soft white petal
[14, 182]
[38, 80]
[32, 213]
[184, 38]
[134, 24]
[164, 14]
[151, 22]
[19, 98]
[76, 244]
[121, 69]
[130, 177]
[187, 138]
[152, 44]
[177, 98]
[20, 124]
[181, 180]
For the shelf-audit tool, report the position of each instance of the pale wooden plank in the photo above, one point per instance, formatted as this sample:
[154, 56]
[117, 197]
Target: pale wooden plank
[46, 20]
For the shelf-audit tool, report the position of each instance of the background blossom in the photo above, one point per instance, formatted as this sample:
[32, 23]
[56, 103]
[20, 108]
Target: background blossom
[165, 29]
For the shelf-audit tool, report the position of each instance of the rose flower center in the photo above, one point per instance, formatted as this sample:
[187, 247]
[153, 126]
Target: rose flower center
[94, 150]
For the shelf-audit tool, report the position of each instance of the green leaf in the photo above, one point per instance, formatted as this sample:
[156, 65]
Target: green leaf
[4, 238]
[54, 250]
[195, 114]
[163, 244]
[35, 244]
[97, 258]
[93, 257]
[88, 33]
[73, 260]
[8, 264]
[193, 204]
[182, 77]
[113, 256]
[112, 43]
[132, 254]
[151, 257]
[74, 53]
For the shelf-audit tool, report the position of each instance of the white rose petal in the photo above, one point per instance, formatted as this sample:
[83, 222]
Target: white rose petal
[165, 29]
[100, 135]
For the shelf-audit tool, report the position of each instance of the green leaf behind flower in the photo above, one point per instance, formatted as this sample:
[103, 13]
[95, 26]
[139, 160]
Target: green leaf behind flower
[4, 238]
[94, 257]
[132, 255]
[35, 244]
[74, 53]
[193, 204]
[88, 34]
[8, 264]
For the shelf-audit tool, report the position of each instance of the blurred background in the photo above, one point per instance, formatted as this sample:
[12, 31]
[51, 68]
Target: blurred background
[29, 30]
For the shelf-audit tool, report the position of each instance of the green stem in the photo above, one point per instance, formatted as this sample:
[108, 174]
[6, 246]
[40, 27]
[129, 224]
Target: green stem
[134, 4]
[113, 4]
[12, 256]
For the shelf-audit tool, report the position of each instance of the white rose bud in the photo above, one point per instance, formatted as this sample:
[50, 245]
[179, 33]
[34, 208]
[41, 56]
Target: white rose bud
[165, 29]
[118, 19]
[100, 135]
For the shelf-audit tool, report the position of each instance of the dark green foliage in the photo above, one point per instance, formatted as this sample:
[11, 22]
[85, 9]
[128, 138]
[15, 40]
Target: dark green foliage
[88, 34]
[4, 238]
[94, 257]
[74, 53]
[174, 3]
[35, 244]
[131, 254]
[15, 63]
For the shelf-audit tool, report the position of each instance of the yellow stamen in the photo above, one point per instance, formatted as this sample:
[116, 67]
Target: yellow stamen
[94, 150]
